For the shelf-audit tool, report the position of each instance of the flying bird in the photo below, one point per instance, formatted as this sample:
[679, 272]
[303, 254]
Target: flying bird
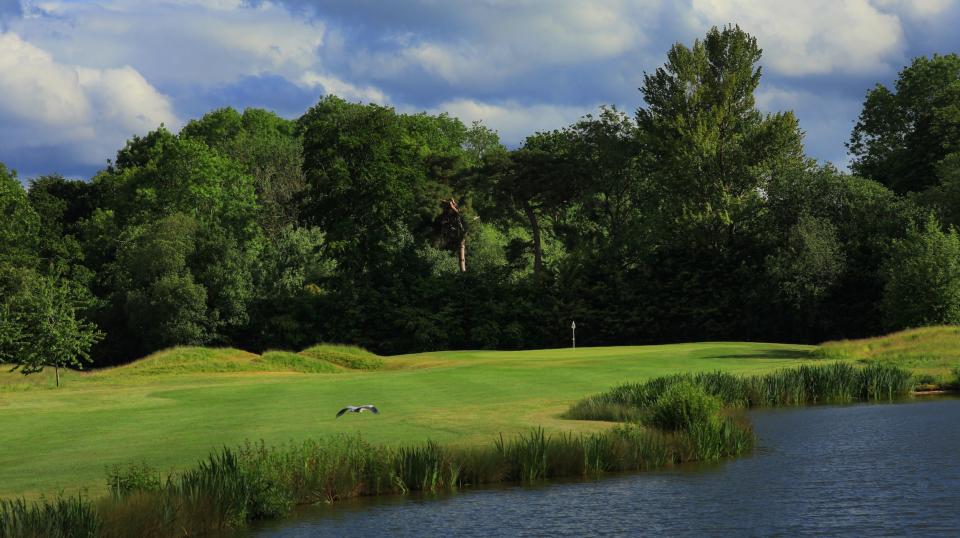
[358, 409]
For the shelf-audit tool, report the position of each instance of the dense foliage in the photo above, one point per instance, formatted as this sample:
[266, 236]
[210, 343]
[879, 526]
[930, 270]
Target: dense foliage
[698, 217]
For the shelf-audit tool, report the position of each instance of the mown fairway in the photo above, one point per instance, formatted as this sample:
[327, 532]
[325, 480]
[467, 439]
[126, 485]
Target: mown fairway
[63, 439]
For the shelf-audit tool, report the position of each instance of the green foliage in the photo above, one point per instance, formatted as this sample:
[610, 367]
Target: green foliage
[922, 278]
[682, 406]
[710, 147]
[122, 481]
[19, 223]
[810, 264]
[902, 134]
[41, 324]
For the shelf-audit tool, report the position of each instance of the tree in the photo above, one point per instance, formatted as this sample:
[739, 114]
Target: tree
[902, 135]
[711, 150]
[375, 176]
[534, 181]
[40, 325]
[922, 278]
[19, 223]
[163, 303]
[809, 265]
[269, 149]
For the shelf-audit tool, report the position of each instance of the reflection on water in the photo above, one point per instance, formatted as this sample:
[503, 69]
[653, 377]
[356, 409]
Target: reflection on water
[864, 470]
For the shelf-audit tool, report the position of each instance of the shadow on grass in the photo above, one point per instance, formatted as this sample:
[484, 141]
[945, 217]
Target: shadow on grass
[772, 353]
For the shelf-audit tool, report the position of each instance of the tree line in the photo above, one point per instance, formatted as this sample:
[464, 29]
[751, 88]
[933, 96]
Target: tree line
[698, 217]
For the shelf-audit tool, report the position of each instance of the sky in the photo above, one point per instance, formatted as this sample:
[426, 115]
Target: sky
[80, 77]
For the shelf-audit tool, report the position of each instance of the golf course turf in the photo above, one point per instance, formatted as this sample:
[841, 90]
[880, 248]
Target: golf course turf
[169, 410]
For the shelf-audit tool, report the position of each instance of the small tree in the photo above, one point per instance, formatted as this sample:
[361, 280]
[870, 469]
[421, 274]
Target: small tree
[922, 278]
[40, 325]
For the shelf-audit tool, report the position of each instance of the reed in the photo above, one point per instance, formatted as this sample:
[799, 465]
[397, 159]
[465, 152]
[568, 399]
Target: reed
[827, 383]
[61, 517]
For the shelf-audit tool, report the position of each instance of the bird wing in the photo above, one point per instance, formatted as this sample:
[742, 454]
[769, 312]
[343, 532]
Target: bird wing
[342, 411]
[372, 408]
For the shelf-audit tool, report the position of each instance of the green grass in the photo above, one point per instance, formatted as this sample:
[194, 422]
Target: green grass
[296, 362]
[173, 416]
[347, 356]
[934, 351]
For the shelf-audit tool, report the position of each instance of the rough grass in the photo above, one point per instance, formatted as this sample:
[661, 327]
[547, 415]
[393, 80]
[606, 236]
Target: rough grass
[319, 359]
[280, 361]
[934, 351]
[351, 357]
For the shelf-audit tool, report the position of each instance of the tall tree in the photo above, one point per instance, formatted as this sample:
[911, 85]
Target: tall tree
[902, 134]
[711, 150]
[534, 181]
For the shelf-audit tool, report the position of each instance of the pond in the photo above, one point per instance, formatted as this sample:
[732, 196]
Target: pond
[839, 470]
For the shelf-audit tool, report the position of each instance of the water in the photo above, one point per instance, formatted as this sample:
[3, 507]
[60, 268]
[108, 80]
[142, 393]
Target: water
[864, 470]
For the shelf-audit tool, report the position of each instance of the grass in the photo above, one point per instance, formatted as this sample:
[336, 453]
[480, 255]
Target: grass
[930, 351]
[168, 410]
[346, 356]
[171, 417]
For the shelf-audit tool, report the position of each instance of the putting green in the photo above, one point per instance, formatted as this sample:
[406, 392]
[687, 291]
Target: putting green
[62, 439]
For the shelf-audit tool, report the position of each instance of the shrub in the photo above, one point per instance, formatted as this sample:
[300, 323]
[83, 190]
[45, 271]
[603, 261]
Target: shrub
[121, 481]
[683, 406]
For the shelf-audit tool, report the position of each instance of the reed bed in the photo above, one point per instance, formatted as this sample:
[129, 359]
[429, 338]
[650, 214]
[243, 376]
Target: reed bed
[816, 384]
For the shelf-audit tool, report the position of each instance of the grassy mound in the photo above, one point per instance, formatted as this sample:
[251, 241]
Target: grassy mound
[320, 359]
[351, 357]
[281, 361]
[190, 360]
[934, 351]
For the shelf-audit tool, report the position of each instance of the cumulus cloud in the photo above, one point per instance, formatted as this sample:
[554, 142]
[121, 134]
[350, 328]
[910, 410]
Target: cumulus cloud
[488, 42]
[512, 120]
[177, 42]
[815, 36]
[341, 88]
[83, 111]
[104, 69]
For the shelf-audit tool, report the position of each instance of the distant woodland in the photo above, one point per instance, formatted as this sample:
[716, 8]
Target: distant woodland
[695, 217]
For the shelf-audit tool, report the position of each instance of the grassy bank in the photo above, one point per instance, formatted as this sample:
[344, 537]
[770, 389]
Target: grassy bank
[171, 408]
[931, 352]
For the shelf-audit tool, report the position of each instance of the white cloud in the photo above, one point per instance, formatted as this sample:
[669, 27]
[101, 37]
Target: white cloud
[341, 88]
[93, 111]
[922, 9]
[502, 39]
[514, 121]
[813, 37]
[205, 43]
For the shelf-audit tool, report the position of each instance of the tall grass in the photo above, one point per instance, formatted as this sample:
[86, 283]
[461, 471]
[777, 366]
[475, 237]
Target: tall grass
[828, 383]
[61, 517]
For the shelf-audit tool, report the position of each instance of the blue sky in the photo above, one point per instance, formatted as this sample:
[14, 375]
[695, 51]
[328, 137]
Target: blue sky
[77, 78]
